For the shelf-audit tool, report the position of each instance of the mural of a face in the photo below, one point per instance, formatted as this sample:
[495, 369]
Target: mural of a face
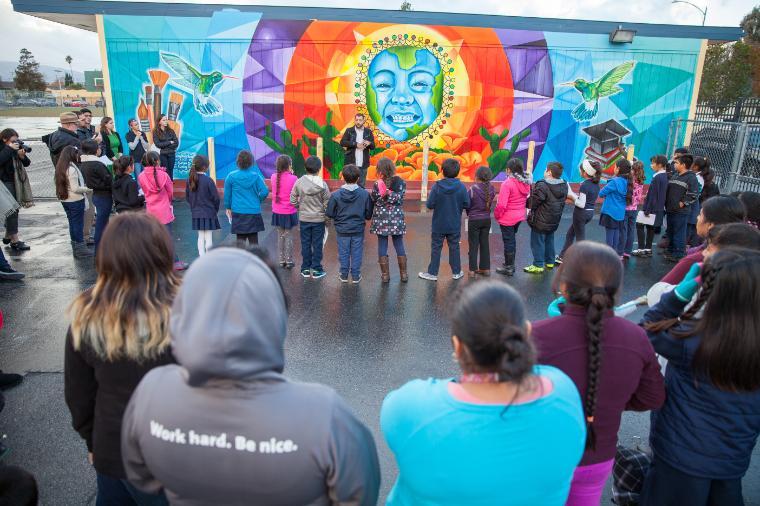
[405, 91]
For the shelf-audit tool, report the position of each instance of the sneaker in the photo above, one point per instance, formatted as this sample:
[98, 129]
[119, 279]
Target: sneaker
[9, 380]
[290, 265]
[20, 246]
[648, 252]
[428, 276]
[180, 265]
[356, 280]
[283, 264]
[458, 275]
[306, 273]
[557, 260]
[533, 269]
[11, 275]
[342, 278]
[318, 273]
[549, 266]
[639, 252]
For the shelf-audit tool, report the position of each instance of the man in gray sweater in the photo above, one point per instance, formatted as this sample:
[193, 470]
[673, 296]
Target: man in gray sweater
[224, 426]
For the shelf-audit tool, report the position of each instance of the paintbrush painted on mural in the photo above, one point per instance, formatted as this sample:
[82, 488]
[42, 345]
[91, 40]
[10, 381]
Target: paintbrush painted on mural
[143, 116]
[149, 103]
[158, 78]
[201, 85]
[173, 109]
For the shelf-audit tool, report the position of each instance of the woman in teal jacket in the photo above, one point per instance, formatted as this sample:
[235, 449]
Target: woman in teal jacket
[617, 193]
[244, 190]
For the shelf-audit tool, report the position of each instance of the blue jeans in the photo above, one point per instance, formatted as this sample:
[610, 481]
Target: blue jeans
[508, 237]
[398, 245]
[167, 161]
[677, 230]
[627, 233]
[665, 484]
[138, 170]
[171, 236]
[542, 246]
[350, 251]
[4, 265]
[116, 492]
[103, 206]
[75, 214]
[312, 235]
[436, 245]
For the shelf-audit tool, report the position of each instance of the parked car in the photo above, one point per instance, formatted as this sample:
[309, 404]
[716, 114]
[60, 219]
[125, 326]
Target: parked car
[26, 102]
[75, 103]
[100, 103]
[47, 102]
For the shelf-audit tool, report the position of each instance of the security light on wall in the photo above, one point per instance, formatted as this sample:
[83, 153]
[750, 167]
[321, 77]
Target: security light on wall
[622, 35]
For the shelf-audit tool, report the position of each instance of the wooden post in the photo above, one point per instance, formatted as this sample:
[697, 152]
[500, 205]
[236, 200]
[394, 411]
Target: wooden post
[211, 159]
[320, 148]
[531, 154]
[425, 163]
[630, 149]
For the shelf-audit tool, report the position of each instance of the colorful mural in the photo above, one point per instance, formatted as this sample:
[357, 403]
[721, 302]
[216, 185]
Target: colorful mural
[477, 94]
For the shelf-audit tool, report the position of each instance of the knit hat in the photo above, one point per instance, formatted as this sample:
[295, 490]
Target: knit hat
[68, 117]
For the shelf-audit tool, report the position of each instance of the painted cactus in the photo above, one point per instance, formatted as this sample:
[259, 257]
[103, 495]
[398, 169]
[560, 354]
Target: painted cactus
[294, 151]
[499, 157]
[333, 152]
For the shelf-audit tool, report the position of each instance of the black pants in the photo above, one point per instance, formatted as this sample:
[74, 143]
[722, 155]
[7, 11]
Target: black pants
[477, 238]
[577, 230]
[667, 486]
[11, 222]
[244, 240]
[167, 162]
[645, 234]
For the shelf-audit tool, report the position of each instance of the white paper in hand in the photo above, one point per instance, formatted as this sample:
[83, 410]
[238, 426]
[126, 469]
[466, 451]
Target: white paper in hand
[324, 240]
[644, 219]
[581, 201]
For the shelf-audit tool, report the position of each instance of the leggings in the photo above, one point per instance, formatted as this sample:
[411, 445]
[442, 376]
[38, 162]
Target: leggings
[398, 245]
[577, 230]
[285, 244]
[205, 241]
[250, 239]
[646, 235]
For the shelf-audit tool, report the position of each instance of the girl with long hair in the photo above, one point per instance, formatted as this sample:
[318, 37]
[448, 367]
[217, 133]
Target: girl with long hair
[703, 437]
[388, 219]
[628, 230]
[510, 211]
[71, 191]
[119, 331]
[701, 167]
[518, 425]
[203, 197]
[608, 358]
[284, 214]
[482, 197]
[166, 140]
[585, 204]
[617, 194]
[244, 191]
[126, 194]
[751, 202]
[111, 138]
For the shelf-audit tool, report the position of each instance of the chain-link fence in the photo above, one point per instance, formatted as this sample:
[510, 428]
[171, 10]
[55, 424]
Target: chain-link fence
[41, 172]
[733, 150]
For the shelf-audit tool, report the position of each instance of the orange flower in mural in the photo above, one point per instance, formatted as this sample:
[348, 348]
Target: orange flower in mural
[390, 153]
[452, 141]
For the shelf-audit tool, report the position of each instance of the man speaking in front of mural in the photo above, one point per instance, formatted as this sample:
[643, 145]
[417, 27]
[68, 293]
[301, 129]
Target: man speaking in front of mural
[358, 141]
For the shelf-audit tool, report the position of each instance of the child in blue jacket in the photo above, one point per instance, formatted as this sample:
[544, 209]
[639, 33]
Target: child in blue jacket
[617, 193]
[244, 190]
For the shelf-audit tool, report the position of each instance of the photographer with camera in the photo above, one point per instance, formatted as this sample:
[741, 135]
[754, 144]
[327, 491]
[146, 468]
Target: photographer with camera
[13, 159]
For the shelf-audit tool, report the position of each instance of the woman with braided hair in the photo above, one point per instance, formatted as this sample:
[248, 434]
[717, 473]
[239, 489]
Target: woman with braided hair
[505, 432]
[609, 358]
[702, 438]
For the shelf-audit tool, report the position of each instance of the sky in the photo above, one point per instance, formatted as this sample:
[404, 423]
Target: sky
[46, 39]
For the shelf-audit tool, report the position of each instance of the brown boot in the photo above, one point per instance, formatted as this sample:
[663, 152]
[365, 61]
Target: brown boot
[385, 270]
[402, 269]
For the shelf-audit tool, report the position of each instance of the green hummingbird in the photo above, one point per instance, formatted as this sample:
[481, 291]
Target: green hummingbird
[199, 84]
[591, 92]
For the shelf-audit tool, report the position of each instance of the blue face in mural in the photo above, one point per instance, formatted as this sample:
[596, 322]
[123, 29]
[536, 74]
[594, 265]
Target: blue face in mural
[404, 92]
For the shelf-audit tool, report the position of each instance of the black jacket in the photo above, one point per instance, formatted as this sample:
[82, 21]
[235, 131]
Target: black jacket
[97, 393]
[349, 208]
[8, 156]
[107, 145]
[167, 142]
[204, 201]
[547, 200]
[58, 140]
[448, 198]
[138, 152]
[682, 188]
[85, 133]
[125, 194]
[348, 141]
[97, 176]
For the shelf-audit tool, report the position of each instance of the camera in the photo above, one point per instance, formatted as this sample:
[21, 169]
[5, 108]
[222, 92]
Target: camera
[23, 146]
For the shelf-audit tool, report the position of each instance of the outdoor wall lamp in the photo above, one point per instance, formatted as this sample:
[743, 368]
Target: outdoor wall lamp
[622, 35]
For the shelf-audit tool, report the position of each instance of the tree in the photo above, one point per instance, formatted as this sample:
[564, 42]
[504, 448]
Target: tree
[28, 76]
[751, 25]
[406, 6]
[727, 74]
[69, 59]
[68, 80]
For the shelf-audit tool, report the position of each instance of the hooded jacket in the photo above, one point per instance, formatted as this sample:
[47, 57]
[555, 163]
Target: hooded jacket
[158, 197]
[125, 194]
[614, 194]
[349, 207]
[244, 190]
[510, 204]
[96, 175]
[547, 202]
[310, 196]
[58, 140]
[448, 198]
[224, 426]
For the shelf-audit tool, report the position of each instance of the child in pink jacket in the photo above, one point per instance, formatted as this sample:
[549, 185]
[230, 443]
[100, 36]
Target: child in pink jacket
[159, 190]
[510, 211]
[284, 214]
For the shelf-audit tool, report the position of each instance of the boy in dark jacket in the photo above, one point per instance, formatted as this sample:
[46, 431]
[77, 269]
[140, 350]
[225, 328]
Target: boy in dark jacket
[98, 177]
[448, 198]
[546, 202]
[682, 192]
[349, 207]
[654, 204]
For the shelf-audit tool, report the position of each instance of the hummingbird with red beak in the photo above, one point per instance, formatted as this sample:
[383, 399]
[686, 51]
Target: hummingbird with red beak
[199, 84]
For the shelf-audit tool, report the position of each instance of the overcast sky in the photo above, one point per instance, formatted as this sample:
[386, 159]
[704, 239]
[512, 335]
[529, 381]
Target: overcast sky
[51, 42]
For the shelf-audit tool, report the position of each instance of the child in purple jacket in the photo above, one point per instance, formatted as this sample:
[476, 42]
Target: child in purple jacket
[482, 197]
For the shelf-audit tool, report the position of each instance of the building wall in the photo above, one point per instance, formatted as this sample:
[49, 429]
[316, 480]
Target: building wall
[477, 94]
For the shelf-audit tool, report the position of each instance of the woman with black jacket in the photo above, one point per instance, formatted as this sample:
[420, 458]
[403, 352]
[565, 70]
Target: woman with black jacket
[166, 140]
[126, 195]
[98, 178]
[11, 154]
[119, 331]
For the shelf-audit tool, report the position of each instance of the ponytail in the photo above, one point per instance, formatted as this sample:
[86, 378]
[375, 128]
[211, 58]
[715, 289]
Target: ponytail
[151, 159]
[599, 302]
[624, 171]
[121, 164]
[200, 164]
[283, 163]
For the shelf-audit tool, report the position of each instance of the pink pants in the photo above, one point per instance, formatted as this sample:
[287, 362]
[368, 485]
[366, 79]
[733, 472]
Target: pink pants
[588, 484]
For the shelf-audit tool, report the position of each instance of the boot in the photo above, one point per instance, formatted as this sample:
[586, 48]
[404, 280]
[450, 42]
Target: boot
[509, 264]
[402, 269]
[81, 250]
[385, 272]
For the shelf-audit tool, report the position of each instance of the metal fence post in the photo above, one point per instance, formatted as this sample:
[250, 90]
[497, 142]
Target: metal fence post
[738, 157]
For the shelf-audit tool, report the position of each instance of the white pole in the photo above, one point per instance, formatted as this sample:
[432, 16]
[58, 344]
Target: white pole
[425, 163]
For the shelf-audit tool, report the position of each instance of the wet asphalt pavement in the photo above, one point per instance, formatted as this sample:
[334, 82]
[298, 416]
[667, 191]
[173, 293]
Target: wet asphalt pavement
[363, 340]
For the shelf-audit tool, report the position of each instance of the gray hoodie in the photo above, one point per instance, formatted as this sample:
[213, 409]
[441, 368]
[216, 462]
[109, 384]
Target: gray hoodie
[224, 426]
[310, 196]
